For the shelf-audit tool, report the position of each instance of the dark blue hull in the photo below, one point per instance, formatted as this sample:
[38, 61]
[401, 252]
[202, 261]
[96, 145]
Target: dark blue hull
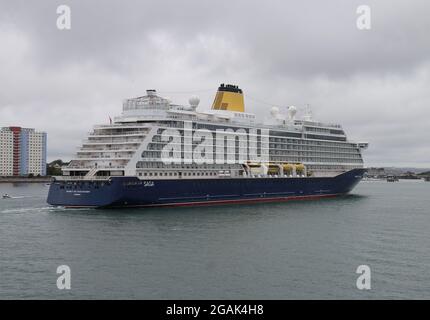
[132, 192]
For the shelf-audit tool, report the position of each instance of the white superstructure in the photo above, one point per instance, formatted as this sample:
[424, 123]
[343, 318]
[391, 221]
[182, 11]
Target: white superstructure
[133, 144]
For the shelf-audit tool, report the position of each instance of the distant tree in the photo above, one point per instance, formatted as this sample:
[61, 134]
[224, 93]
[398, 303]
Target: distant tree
[54, 168]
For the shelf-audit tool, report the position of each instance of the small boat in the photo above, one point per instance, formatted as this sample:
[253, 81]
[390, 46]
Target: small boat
[6, 196]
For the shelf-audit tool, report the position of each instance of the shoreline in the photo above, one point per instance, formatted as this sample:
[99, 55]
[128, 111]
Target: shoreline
[26, 180]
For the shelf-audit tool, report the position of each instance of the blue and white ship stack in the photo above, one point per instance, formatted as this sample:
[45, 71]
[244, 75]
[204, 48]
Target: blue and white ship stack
[161, 154]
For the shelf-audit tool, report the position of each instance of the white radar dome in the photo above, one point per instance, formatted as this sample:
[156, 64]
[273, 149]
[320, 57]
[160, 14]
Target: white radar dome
[194, 101]
[274, 111]
[292, 110]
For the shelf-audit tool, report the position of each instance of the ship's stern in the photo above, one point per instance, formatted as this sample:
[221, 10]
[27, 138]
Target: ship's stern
[83, 193]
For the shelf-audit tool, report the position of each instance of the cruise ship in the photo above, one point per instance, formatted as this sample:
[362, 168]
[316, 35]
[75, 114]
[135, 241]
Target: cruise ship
[157, 153]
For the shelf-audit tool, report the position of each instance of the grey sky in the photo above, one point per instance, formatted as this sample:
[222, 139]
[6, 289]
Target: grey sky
[375, 82]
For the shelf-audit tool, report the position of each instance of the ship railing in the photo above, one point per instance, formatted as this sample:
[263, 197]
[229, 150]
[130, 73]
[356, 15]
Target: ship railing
[117, 125]
[111, 140]
[92, 167]
[80, 149]
[77, 178]
[123, 157]
[320, 124]
[118, 134]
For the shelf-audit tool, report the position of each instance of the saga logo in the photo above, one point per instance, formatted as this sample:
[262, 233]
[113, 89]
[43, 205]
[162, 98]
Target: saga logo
[148, 183]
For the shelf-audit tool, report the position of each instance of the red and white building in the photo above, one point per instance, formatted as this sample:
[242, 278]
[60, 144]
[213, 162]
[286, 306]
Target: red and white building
[22, 152]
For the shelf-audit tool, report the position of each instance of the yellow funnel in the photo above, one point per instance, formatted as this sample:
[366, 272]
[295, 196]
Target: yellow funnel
[230, 98]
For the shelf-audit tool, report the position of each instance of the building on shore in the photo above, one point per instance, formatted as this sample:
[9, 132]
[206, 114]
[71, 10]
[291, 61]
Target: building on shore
[22, 152]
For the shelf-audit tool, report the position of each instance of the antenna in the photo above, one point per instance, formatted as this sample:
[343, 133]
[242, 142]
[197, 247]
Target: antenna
[308, 113]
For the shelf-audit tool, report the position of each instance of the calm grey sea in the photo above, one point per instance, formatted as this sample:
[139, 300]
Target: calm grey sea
[293, 250]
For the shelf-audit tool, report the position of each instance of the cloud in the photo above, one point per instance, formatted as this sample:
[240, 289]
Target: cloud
[280, 52]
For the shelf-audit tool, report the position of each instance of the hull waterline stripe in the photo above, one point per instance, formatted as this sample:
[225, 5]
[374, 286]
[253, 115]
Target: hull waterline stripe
[238, 201]
[215, 202]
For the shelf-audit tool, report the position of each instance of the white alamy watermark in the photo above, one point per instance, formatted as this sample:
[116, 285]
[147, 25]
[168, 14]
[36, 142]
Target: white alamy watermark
[364, 20]
[64, 281]
[364, 280]
[64, 20]
[222, 146]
